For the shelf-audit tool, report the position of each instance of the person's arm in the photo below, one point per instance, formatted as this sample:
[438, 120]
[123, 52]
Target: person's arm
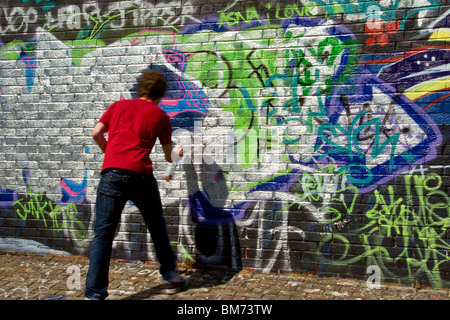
[98, 134]
[177, 151]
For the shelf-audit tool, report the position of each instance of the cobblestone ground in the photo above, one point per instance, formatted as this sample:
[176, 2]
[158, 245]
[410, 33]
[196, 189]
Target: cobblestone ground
[36, 277]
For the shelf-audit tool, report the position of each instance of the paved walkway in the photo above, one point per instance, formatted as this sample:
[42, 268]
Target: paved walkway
[57, 277]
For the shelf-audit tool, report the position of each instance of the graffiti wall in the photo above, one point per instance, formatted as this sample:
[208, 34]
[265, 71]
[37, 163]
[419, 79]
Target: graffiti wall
[315, 132]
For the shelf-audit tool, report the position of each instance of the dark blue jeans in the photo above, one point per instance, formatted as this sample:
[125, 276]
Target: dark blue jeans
[115, 188]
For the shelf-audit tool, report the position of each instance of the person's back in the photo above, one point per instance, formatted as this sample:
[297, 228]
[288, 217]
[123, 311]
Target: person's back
[133, 127]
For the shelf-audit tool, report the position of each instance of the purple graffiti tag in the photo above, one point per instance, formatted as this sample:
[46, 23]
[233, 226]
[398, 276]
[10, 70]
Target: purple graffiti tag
[203, 212]
[8, 197]
[192, 99]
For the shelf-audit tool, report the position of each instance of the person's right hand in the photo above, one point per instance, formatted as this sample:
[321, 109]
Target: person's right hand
[177, 152]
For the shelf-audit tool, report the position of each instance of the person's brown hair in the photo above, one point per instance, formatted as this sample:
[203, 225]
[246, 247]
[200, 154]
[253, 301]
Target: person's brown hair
[152, 85]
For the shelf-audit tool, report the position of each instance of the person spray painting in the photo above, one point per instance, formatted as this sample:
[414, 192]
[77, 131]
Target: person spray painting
[133, 126]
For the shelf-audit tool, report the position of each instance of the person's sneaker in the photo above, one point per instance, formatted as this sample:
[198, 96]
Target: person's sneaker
[174, 284]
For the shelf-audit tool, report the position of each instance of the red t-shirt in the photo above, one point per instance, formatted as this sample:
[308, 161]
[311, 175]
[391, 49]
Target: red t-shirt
[133, 127]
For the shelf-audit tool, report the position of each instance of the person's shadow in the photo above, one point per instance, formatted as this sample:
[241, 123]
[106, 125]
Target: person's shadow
[198, 279]
[217, 250]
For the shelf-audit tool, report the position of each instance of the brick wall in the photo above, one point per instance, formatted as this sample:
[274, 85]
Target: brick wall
[315, 132]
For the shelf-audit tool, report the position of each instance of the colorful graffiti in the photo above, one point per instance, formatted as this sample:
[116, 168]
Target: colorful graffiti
[415, 220]
[303, 126]
[395, 127]
[56, 222]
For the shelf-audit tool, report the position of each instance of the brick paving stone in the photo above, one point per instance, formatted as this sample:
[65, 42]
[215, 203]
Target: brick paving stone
[45, 277]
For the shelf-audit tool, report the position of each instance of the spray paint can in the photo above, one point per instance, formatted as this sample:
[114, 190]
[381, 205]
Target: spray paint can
[168, 175]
